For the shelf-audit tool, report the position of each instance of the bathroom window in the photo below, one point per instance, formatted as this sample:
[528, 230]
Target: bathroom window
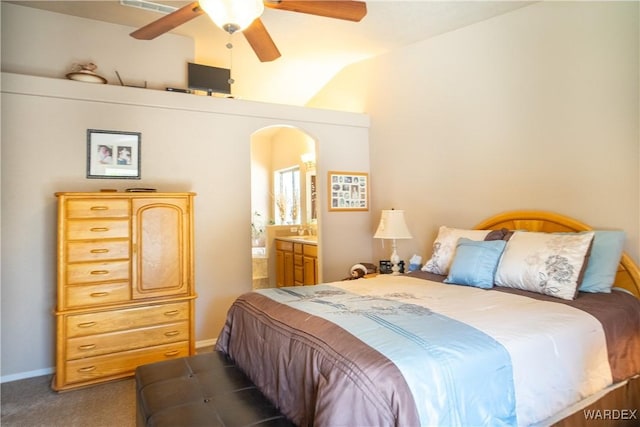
[287, 196]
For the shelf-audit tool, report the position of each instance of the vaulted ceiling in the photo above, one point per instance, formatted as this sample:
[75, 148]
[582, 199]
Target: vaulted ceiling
[313, 48]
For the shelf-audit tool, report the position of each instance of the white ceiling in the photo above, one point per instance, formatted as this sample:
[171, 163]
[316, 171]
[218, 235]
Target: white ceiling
[313, 48]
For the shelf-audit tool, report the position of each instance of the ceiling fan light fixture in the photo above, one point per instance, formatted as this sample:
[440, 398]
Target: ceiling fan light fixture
[232, 15]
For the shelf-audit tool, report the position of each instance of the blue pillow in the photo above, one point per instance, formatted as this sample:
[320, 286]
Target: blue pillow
[602, 264]
[475, 262]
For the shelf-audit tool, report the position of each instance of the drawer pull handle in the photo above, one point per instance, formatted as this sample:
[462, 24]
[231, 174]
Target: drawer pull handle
[171, 313]
[172, 333]
[99, 229]
[172, 353]
[86, 324]
[87, 347]
[87, 369]
[99, 208]
[99, 294]
[99, 272]
[99, 251]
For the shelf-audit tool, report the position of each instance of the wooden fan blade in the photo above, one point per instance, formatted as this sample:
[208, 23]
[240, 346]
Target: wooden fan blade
[168, 22]
[261, 42]
[340, 9]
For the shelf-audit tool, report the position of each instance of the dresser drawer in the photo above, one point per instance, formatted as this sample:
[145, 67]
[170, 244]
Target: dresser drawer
[97, 229]
[94, 208]
[284, 246]
[93, 272]
[100, 250]
[311, 250]
[94, 345]
[90, 295]
[122, 363]
[128, 318]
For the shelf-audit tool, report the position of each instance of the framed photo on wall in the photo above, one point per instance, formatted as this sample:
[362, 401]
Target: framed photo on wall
[113, 154]
[348, 191]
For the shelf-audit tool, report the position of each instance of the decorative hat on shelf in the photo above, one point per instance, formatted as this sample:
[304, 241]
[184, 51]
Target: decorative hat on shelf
[86, 73]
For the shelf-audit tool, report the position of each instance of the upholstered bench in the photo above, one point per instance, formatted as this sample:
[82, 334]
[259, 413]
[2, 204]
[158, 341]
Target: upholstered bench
[202, 390]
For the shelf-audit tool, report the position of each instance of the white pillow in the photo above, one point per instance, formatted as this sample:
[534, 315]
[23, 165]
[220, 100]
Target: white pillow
[444, 248]
[545, 263]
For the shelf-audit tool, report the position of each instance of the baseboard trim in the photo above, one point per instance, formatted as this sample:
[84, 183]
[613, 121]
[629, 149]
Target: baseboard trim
[48, 371]
[206, 343]
[25, 375]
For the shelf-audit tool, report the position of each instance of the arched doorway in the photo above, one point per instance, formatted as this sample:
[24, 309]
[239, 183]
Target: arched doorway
[283, 194]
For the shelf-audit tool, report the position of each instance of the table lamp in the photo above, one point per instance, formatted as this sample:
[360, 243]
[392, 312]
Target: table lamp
[393, 226]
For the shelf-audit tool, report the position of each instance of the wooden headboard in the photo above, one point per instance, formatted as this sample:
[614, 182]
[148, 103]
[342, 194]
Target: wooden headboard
[628, 276]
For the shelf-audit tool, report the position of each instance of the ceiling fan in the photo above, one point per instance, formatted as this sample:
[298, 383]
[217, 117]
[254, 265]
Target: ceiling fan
[251, 25]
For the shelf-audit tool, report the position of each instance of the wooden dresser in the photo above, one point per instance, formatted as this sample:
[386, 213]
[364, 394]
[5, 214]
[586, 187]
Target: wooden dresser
[125, 284]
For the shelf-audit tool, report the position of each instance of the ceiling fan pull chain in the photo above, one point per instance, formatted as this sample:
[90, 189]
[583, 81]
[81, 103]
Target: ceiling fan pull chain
[230, 47]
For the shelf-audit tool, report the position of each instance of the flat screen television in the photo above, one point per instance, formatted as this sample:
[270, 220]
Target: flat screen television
[209, 79]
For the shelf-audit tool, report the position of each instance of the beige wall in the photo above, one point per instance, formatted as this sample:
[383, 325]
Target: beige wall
[534, 109]
[261, 174]
[189, 142]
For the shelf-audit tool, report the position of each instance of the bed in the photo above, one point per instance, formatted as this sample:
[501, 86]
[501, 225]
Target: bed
[443, 346]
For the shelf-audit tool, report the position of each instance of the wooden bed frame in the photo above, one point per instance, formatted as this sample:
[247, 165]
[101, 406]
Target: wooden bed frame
[628, 276]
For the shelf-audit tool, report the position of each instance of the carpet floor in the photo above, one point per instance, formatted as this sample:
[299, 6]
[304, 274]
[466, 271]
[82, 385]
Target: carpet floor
[32, 403]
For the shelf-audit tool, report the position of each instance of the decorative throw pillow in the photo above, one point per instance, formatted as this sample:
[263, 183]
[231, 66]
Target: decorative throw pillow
[545, 263]
[602, 265]
[475, 263]
[501, 234]
[444, 247]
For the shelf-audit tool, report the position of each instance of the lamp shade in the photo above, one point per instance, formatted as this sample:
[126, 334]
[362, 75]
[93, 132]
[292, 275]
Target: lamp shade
[392, 226]
[232, 15]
